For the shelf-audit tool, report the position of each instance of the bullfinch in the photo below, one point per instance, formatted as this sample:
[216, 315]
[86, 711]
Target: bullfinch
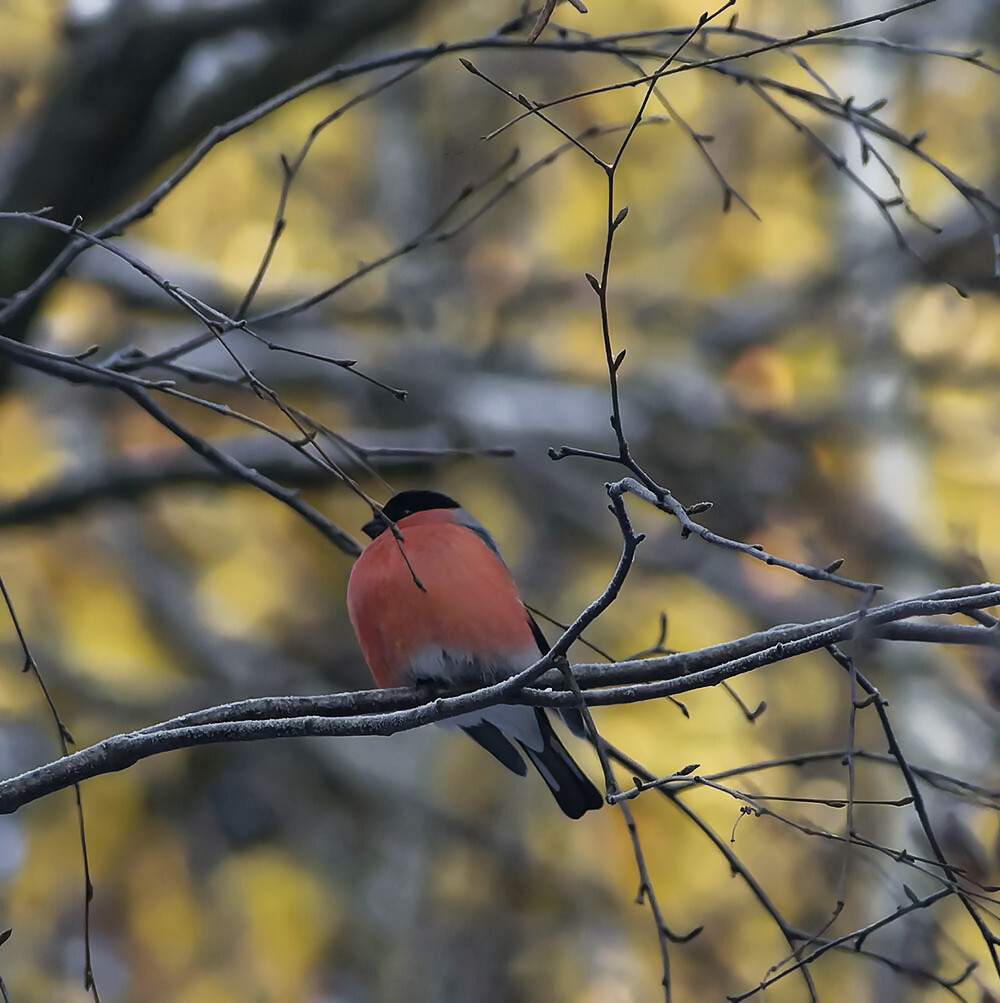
[440, 607]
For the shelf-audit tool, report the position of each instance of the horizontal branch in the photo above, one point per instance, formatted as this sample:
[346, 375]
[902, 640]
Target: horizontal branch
[386, 712]
[131, 480]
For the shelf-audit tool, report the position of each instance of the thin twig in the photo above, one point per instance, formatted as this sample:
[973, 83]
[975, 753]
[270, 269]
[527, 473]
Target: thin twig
[65, 738]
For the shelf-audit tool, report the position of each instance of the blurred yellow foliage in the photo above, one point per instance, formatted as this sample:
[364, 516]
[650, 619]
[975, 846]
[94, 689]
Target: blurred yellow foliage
[167, 921]
[28, 45]
[105, 631]
[329, 193]
[279, 920]
[82, 314]
[29, 457]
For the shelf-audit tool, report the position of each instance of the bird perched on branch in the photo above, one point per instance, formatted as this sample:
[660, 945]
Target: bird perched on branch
[439, 606]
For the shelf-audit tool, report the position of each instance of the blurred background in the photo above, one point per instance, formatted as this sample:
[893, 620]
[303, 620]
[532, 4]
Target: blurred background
[828, 390]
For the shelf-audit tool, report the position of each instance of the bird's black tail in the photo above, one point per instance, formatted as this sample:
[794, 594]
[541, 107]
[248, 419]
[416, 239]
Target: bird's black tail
[571, 716]
[571, 788]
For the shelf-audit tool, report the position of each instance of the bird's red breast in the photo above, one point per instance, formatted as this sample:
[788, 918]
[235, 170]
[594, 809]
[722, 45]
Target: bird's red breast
[468, 613]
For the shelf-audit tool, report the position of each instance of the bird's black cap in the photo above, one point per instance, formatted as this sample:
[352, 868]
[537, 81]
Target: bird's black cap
[406, 503]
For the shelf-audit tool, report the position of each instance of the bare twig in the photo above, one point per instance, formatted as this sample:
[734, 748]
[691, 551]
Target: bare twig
[65, 738]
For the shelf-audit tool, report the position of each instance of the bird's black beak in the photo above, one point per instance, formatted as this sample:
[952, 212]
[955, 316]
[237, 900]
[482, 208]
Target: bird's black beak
[374, 527]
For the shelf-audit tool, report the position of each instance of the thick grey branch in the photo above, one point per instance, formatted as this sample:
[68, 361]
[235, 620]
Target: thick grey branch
[386, 712]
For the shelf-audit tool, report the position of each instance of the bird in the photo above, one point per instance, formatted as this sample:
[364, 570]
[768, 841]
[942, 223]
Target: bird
[438, 606]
